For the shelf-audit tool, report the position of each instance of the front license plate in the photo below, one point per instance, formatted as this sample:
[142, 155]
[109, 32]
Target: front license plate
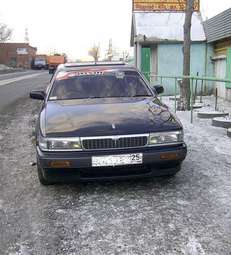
[118, 160]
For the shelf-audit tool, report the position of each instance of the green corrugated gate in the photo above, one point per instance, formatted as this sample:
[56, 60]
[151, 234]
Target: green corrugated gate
[228, 67]
[145, 61]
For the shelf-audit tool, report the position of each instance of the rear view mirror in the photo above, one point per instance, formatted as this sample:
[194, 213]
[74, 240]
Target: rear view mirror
[159, 89]
[37, 94]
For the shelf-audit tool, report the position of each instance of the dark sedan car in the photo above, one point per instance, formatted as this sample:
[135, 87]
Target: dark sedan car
[104, 121]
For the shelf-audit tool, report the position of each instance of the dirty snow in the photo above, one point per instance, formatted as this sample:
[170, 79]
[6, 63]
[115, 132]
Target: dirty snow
[185, 215]
[202, 129]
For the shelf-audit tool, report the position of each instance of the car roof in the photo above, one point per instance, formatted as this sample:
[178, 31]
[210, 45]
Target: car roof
[95, 65]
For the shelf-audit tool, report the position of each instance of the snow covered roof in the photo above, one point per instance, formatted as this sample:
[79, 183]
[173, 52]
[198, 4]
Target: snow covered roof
[165, 26]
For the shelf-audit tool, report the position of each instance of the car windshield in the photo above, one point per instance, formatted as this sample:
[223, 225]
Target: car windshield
[99, 86]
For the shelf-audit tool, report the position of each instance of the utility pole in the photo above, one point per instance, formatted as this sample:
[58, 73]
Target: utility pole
[26, 37]
[110, 53]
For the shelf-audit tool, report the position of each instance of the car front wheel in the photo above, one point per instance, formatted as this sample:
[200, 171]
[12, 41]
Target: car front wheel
[41, 177]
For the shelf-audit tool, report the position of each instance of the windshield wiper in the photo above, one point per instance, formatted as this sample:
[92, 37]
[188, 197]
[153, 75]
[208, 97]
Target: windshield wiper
[142, 96]
[93, 97]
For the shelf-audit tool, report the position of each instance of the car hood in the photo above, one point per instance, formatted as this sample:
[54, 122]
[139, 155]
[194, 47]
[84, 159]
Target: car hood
[101, 117]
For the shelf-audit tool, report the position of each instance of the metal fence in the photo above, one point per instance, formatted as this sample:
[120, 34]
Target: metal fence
[194, 83]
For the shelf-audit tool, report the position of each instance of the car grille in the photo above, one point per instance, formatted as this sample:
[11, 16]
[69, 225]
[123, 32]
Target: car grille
[114, 142]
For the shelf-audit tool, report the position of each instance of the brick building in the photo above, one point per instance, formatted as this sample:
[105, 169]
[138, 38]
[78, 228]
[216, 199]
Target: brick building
[17, 54]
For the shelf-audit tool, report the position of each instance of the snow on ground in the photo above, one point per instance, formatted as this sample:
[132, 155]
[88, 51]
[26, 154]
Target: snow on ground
[4, 67]
[202, 130]
[185, 215]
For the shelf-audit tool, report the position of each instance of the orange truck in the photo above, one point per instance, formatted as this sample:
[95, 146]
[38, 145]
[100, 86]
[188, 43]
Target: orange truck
[54, 61]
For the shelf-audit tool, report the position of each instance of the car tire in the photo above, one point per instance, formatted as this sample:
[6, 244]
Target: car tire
[168, 173]
[41, 177]
[169, 176]
[172, 174]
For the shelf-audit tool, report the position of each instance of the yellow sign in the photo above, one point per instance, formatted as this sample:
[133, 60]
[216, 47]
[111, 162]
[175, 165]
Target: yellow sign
[163, 5]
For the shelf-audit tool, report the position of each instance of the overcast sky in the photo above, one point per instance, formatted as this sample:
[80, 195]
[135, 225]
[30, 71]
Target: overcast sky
[73, 26]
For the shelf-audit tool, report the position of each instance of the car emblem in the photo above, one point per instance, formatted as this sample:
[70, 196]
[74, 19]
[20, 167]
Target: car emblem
[113, 126]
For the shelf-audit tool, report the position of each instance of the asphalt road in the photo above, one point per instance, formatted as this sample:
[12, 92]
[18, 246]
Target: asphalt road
[18, 85]
[188, 214]
[15, 74]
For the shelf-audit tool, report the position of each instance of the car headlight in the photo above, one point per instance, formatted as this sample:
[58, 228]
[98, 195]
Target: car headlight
[166, 137]
[59, 144]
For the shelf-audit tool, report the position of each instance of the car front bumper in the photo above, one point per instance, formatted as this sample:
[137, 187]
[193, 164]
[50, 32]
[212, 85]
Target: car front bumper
[155, 163]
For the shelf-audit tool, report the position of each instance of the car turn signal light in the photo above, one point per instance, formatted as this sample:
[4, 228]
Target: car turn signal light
[169, 156]
[60, 164]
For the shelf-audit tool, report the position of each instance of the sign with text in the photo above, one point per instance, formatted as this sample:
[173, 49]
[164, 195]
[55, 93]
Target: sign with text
[163, 5]
[22, 51]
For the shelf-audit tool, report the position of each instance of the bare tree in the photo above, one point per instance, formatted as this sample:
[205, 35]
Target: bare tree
[5, 33]
[95, 52]
[185, 88]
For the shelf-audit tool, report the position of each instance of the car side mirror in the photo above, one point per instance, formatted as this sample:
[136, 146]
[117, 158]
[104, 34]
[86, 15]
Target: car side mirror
[159, 89]
[37, 94]
[51, 71]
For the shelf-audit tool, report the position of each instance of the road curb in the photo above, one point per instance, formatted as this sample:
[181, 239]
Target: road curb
[211, 115]
[221, 122]
[229, 132]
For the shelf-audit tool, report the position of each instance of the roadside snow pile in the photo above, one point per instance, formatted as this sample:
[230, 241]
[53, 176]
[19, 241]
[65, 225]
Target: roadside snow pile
[198, 105]
[224, 122]
[4, 67]
[229, 132]
[201, 133]
[211, 114]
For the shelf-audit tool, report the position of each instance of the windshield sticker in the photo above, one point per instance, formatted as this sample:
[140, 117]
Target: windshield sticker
[67, 75]
[63, 75]
[89, 73]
